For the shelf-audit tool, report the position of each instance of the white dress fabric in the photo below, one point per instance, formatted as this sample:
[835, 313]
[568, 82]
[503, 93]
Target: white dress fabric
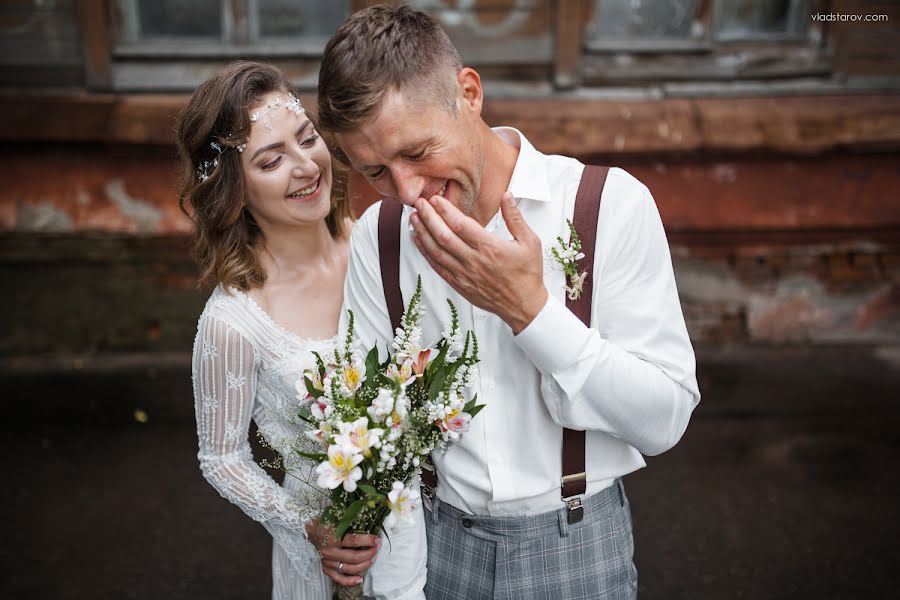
[244, 367]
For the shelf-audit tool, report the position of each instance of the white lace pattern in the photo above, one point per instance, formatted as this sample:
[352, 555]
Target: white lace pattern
[244, 367]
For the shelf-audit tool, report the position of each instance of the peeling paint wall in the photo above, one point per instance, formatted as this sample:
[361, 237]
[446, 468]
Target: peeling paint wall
[778, 251]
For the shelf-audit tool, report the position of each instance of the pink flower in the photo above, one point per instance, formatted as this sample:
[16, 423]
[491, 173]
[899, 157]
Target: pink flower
[454, 424]
[423, 358]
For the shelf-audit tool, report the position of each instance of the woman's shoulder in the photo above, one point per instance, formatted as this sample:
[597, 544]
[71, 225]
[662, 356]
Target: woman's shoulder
[232, 308]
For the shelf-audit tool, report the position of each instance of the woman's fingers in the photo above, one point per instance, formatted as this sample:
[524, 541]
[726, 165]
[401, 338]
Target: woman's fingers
[358, 540]
[347, 555]
[342, 576]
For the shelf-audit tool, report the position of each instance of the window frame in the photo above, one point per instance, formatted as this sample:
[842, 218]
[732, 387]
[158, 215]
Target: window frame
[572, 61]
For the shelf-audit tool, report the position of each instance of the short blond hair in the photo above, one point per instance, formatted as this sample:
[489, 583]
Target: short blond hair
[380, 49]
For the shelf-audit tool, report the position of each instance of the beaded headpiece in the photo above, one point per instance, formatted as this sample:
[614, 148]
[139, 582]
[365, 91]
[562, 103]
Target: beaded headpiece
[205, 169]
[292, 105]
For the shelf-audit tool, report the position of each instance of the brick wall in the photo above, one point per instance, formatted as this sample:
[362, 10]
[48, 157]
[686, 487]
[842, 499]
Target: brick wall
[766, 249]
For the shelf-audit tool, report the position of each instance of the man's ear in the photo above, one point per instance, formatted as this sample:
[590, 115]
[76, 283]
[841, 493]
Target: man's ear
[469, 84]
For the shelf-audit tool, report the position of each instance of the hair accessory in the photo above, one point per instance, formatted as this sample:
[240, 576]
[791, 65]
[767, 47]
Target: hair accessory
[292, 105]
[204, 170]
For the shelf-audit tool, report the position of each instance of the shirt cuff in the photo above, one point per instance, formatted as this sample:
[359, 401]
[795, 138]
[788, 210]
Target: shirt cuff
[554, 338]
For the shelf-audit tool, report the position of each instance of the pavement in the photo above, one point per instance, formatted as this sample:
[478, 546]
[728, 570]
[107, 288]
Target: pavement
[784, 486]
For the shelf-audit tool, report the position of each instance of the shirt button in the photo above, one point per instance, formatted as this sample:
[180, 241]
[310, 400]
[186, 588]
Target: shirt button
[467, 523]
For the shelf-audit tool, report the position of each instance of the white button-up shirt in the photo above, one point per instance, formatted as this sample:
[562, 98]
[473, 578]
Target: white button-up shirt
[628, 379]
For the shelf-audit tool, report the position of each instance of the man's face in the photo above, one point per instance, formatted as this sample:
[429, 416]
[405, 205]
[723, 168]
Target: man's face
[416, 148]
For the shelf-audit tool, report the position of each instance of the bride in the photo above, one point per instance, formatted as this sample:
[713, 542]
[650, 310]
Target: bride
[272, 234]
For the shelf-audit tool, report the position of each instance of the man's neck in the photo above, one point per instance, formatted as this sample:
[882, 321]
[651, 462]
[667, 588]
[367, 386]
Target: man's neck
[499, 163]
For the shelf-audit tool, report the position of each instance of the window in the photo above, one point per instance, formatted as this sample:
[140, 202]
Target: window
[641, 40]
[202, 34]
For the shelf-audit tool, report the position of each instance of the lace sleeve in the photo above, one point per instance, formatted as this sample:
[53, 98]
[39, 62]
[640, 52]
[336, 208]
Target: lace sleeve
[224, 375]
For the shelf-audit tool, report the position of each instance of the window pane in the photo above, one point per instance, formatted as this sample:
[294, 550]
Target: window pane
[495, 32]
[284, 18]
[630, 19]
[183, 18]
[760, 19]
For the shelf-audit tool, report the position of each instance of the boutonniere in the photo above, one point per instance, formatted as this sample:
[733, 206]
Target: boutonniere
[567, 255]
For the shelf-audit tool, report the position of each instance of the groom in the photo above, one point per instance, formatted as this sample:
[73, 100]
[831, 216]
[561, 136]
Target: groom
[482, 211]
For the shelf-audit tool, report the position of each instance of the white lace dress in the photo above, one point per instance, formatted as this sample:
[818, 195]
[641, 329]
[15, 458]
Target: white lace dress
[244, 367]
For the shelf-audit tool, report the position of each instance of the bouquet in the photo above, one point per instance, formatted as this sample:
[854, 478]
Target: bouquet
[378, 422]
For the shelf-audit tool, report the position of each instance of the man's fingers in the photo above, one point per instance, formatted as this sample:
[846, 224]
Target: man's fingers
[515, 222]
[439, 230]
[430, 247]
[465, 228]
[437, 268]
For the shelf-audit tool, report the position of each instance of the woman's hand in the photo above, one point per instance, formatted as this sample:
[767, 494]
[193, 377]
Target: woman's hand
[343, 560]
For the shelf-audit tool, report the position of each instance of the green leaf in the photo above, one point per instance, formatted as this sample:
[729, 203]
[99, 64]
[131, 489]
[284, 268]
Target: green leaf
[316, 456]
[349, 515]
[371, 491]
[438, 362]
[372, 368]
[476, 410]
[320, 365]
[313, 390]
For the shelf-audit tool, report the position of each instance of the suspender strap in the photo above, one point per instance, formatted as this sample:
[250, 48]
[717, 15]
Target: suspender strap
[389, 218]
[389, 254]
[587, 211]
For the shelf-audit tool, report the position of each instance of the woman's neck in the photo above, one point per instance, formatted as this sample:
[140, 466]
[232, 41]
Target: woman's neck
[290, 252]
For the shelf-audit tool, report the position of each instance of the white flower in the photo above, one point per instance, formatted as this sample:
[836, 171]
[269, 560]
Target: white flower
[403, 374]
[340, 468]
[402, 502]
[382, 405]
[320, 435]
[352, 376]
[358, 435]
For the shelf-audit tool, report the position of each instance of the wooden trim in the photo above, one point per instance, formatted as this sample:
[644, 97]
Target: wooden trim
[358, 5]
[567, 43]
[93, 23]
[571, 126]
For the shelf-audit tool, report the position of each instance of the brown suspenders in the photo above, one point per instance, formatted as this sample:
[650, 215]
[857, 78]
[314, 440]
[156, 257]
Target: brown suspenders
[587, 209]
[389, 254]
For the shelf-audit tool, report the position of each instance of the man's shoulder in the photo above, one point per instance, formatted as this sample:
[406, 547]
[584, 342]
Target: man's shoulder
[369, 217]
[365, 231]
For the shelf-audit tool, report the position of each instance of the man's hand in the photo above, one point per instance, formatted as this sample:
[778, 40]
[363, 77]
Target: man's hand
[500, 276]
[343, 561]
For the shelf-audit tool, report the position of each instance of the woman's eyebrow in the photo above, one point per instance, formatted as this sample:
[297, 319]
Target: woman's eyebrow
[299, 131]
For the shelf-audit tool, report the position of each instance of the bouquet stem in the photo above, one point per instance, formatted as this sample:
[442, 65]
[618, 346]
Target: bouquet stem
[353, 592]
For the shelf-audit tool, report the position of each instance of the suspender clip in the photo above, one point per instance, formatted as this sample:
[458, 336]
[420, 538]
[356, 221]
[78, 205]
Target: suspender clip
[575, 510]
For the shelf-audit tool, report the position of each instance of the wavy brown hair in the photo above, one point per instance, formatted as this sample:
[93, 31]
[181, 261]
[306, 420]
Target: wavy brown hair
[225, 231]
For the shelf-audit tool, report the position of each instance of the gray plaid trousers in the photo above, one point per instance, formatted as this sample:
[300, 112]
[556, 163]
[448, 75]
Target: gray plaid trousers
[533, 557]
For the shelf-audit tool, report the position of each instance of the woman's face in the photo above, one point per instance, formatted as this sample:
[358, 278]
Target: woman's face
[287, 167]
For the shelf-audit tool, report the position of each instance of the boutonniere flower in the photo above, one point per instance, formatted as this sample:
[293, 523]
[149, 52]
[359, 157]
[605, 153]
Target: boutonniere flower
[567, 255]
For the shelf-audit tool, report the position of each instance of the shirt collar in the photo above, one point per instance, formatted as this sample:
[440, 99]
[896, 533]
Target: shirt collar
[529, 178]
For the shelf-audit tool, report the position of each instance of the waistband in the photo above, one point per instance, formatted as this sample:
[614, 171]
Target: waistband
[518, 529]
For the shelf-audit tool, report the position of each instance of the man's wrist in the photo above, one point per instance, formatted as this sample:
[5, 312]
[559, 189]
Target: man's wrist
[522, 318]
